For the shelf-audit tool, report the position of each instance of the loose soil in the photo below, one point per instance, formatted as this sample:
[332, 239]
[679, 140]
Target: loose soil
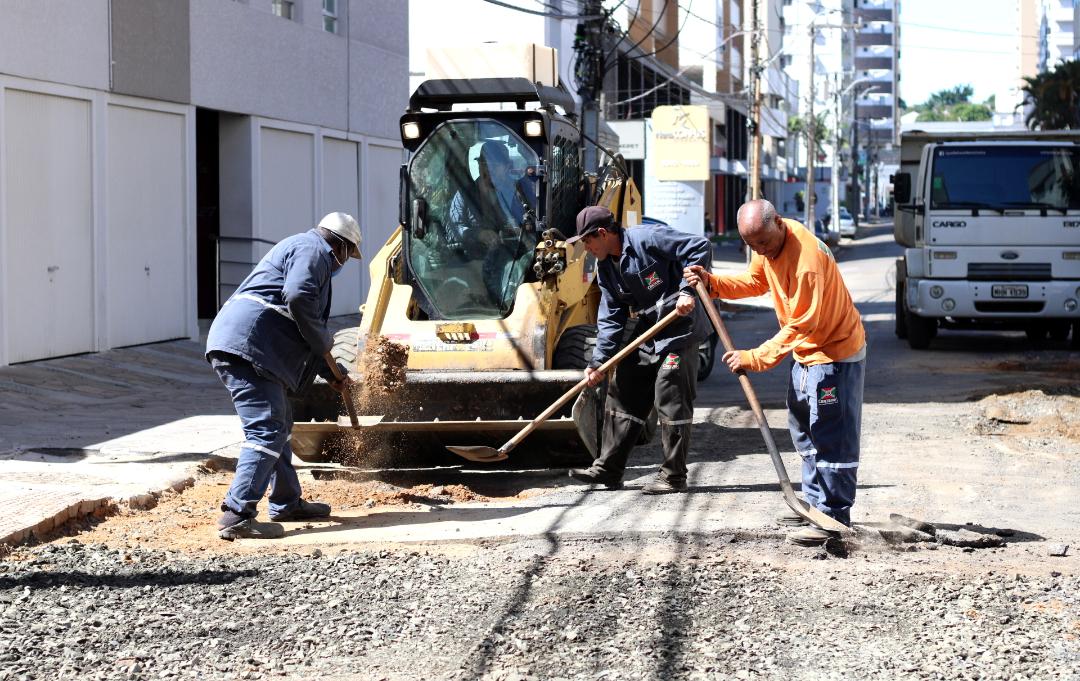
[1032, 413]
[382, 368]
[185, 521]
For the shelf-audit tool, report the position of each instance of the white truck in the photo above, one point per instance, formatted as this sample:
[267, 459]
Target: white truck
[990, 223]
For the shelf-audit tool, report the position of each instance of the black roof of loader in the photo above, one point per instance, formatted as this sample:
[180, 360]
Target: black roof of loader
[442, 94]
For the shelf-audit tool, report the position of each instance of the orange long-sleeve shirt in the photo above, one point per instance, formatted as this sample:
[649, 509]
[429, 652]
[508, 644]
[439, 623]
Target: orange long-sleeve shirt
[818, 321]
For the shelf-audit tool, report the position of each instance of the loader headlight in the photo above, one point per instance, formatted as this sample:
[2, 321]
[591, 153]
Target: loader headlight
[1070, 305]
[936, 292]
[410, 130]
[948, 305]
[534, 128]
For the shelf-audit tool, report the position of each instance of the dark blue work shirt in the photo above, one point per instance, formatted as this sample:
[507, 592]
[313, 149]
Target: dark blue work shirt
[276, 319]
[647, 279]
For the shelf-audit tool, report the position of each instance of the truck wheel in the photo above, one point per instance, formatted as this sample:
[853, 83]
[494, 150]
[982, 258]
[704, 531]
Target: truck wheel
[920, 330]
[1059, 330]
[706, 357]
[901, 317]
[1036, 333]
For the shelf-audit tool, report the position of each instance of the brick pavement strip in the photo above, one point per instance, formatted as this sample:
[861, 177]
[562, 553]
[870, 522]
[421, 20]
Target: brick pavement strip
[37, 509]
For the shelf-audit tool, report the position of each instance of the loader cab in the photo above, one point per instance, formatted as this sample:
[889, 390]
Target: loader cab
[479, 189]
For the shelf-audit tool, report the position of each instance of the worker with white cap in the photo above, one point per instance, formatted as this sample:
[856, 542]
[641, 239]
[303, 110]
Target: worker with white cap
[270, 339]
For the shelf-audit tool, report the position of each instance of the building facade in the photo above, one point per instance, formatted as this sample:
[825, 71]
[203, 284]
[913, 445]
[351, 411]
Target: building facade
[155, 149]
[1056, 30]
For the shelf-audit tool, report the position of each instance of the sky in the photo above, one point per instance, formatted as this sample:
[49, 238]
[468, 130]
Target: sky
[944, 43]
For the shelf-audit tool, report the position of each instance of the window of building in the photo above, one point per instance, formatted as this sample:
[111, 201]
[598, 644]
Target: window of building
[329, 16]
[282, 8]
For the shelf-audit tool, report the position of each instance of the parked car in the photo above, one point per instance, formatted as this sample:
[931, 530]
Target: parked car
[831, 239]
[847, 223]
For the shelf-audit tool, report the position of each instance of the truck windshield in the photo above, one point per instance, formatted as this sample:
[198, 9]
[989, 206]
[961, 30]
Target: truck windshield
[1000, 177]
[473, 190]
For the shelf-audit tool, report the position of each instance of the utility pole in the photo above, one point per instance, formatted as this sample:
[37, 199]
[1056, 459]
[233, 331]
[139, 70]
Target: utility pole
[589, 72]
[834, 223]
[811, 133]
[754, 188]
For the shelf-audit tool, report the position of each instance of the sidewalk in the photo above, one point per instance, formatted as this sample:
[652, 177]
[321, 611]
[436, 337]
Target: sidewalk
[120, 427]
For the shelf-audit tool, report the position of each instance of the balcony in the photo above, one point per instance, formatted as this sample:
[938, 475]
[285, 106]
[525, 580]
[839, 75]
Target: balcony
[876, 4]
[877, 27]
[874, 52]
[874, 99]
[876, 75]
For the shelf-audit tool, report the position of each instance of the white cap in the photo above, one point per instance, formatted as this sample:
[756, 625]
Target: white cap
[345, 226]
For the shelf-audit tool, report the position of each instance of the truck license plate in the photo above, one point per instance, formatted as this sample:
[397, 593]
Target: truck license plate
[1009, 291]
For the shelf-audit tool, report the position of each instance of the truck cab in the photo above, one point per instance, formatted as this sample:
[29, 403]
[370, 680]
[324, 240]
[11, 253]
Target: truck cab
[991, 230]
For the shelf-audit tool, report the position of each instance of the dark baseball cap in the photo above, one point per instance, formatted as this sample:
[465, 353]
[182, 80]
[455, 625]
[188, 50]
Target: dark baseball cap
[590, 219]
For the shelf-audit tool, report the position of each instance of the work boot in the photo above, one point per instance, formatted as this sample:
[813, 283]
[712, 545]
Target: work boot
[235, 526]
[303, 510]
[811, 536]
[663, 486]
[596, 476]
[791, 519]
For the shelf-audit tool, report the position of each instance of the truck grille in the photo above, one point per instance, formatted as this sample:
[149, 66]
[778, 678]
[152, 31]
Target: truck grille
[1009, 306]
[1009, 271]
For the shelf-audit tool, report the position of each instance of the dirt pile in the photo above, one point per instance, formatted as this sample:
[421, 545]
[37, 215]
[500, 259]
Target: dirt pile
[382, 376]
[1031, 413]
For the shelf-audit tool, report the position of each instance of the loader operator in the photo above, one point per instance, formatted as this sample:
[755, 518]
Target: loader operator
[270, 338]
[640, 271]
[495, 206]
[820, 326]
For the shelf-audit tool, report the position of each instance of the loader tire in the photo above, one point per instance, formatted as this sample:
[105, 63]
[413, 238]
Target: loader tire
[320, 402]
[575, 348]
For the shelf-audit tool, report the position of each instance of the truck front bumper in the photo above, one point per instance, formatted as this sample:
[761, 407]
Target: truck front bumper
[994, 299]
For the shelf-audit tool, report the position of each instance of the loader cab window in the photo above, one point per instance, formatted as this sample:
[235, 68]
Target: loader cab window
[473, 209]
[565, 185]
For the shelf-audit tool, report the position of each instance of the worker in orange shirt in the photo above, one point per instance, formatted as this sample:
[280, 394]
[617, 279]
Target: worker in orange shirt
[822, 329]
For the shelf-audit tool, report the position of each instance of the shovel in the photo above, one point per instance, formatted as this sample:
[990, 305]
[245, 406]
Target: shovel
[483, 454]
[800, 507]
[346, 394]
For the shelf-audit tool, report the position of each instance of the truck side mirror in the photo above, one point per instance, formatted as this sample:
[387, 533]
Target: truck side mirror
[901, 187]
[419, 218]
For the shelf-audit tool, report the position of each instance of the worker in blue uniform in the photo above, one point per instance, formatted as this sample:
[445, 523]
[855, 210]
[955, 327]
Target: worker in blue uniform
[270, 339]
[640, 274]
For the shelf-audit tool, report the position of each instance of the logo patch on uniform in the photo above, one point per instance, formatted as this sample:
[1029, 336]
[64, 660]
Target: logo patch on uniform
[672, 361]
[652, 280]
[827, 396]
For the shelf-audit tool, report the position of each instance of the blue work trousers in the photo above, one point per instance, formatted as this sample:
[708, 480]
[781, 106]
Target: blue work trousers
[824, 416]
[265, 459]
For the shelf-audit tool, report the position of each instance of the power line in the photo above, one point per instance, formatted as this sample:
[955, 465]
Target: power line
[550, 15]
[951, 29]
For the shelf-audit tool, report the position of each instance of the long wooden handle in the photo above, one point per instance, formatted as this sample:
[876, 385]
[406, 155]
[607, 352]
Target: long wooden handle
[346, 394]
[744, 381]
[583, 383]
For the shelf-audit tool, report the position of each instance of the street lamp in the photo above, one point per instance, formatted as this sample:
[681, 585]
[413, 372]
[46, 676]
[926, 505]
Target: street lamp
[834, 223]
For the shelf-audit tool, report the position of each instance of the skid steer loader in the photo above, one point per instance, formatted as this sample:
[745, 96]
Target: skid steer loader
[497, 311]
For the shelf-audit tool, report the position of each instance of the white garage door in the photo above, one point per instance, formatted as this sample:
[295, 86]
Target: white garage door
[341, 192]
[47, 275]
[287, 169]
[147, 223]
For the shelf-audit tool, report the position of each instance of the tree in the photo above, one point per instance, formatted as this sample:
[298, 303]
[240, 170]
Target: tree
[797, 125]
[1054, 97]
[946, 98]
[954, 104]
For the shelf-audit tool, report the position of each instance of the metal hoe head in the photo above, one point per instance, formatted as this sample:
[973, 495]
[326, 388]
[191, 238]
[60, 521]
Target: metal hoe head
[480, 453]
